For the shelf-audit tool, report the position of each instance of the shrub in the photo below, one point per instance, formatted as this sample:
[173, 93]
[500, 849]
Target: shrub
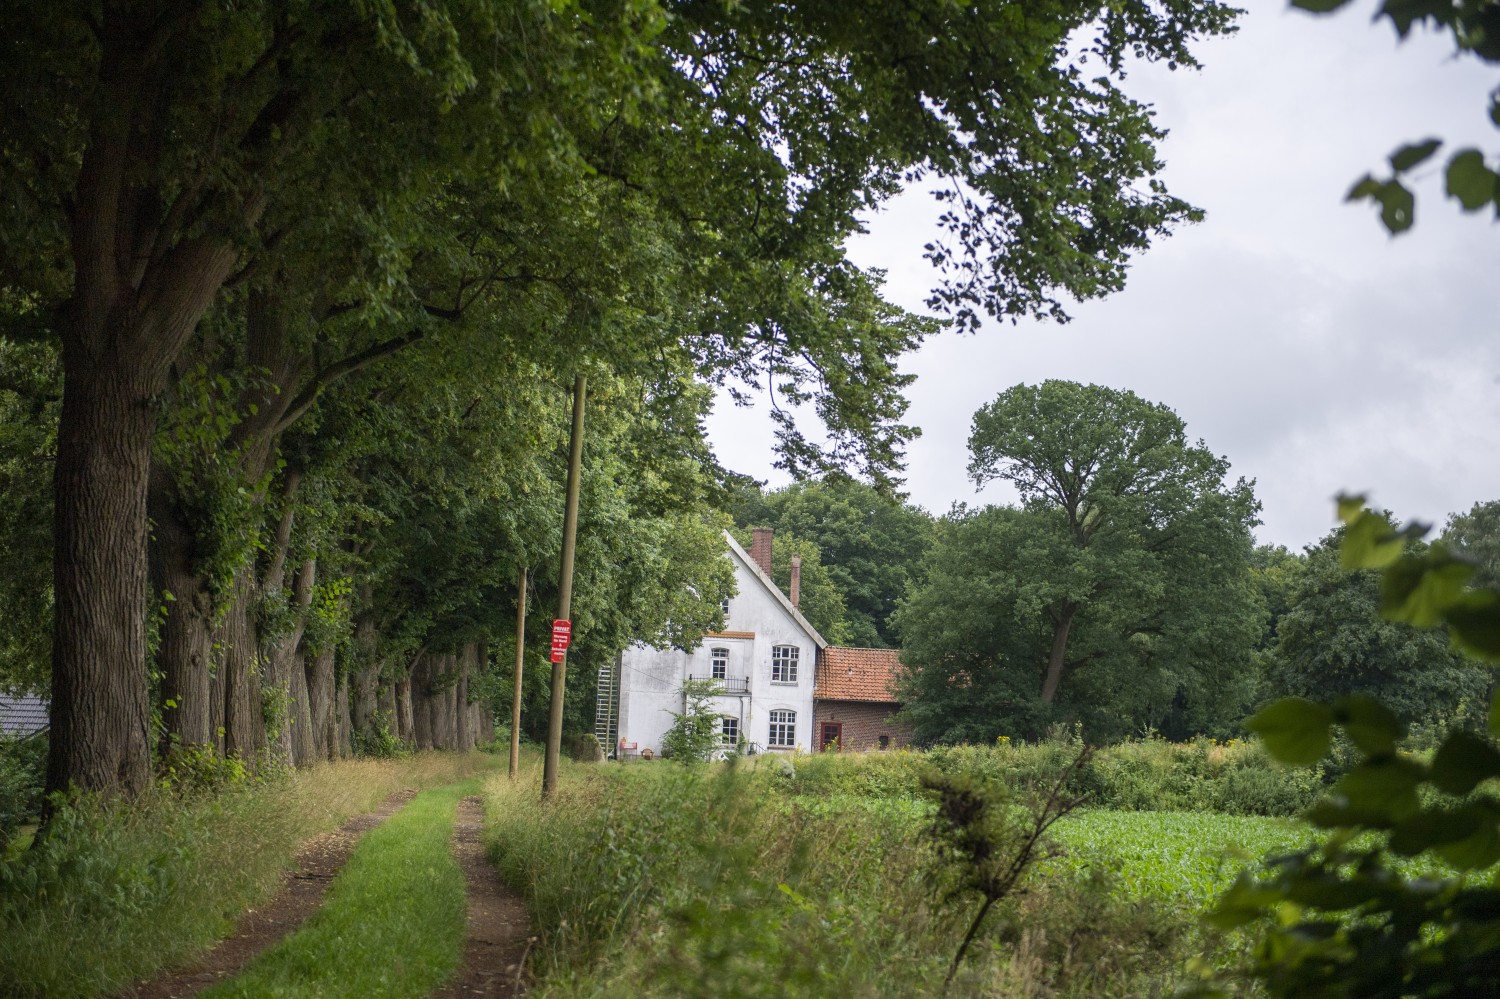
[1236, 778]
[23, 775]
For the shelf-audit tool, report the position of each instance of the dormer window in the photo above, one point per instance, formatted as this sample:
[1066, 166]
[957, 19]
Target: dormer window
[718, 663]
[784, 663]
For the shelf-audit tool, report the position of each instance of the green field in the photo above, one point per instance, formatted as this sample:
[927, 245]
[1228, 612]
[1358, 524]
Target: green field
[1184, 857]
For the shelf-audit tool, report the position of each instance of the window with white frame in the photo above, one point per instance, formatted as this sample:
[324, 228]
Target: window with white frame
[784, 663]
[729, 730]
[783, 730]
[718, 663]
[724, 606]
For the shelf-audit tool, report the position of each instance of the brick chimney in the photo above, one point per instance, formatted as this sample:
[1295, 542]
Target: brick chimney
[760, 548]
[796, 593]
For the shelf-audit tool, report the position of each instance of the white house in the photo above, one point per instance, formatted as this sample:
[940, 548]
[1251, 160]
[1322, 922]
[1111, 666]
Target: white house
[762, 664]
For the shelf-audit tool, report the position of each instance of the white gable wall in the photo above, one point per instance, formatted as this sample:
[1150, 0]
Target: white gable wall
[651, 679]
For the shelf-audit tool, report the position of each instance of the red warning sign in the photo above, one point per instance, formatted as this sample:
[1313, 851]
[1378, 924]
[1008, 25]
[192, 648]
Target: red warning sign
[562, 637]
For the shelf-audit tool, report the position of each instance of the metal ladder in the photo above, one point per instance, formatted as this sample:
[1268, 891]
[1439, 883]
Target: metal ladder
[605, 708]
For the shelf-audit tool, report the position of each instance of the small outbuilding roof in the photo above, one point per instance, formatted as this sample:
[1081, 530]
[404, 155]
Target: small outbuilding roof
[858, 675]
[22, 715]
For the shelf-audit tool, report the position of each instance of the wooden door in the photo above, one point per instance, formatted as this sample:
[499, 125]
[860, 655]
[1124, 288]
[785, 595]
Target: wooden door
[833, 737]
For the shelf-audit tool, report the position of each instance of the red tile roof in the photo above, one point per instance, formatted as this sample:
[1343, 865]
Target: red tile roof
[858, 675]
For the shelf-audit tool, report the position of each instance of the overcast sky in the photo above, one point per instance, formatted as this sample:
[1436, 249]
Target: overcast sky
[1288, 330]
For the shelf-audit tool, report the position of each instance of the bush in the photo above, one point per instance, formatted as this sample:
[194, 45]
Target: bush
[23, 776]
[1235, 778]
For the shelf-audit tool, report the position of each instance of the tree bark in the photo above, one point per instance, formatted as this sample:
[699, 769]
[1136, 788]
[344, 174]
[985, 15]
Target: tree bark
[184, 649]
[320, 692]
[100, 716]
[344, 723]
[1057, 659]
[244, 719]
[421, 702]
[139, 289]
[404, 727]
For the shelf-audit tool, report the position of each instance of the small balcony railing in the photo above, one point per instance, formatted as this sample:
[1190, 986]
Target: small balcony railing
[725, 684]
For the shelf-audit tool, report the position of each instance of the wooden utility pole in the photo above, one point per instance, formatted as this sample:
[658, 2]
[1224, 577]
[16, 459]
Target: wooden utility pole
[564, 593]
[515, 709]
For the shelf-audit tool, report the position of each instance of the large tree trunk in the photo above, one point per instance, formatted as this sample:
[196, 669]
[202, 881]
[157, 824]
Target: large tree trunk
[139, 289]
[387, 708]
[1057, 659]
[304, 736]
[184, 649]
[405, 728]
[364, 683]
[244, 719]
[421, 702]
[100, 715]
[345, 724]
[320, 701]
[461, 738]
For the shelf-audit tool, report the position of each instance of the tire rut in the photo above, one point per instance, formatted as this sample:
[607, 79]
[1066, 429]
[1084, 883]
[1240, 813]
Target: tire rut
[301, 894]
[497, 938]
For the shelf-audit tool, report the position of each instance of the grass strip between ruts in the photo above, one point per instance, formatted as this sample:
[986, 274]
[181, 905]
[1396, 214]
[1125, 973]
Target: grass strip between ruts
[393, 922]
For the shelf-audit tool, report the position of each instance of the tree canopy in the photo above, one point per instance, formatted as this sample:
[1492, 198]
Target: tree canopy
[1332, 642]
[871, 544]
[272, 198]
[1118, 593]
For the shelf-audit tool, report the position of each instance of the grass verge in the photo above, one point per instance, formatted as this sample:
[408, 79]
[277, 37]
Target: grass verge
[116, 893]
[393, 922]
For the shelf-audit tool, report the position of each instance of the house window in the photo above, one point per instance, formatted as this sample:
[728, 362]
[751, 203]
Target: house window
[885, 742]
[729, 731]
[724, 606]
[783, 730]
[784, 663]
[718, 660]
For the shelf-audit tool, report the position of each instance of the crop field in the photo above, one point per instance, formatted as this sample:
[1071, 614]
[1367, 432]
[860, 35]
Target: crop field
[1182, 857]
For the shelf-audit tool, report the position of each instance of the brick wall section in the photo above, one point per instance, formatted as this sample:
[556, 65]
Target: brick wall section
[863, 723]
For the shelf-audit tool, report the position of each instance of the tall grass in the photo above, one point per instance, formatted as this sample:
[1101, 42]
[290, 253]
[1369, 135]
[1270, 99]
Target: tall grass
[665, 881]
[115, 893]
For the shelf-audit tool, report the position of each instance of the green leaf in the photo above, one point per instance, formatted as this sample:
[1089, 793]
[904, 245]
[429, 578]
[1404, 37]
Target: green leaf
[1294, 730]
[1397, 207]
[1409, 156]
[1475, 852]
[1434, 827]
[1244, 902]
[1474, 624]
[1470, 181]
[1385, 788]
[1372, 726]
[1350, 507]
[1366, 187]
[1418, 591]
[1462, 761]
[1370, 543]
[1319, 6]
[1495, 713]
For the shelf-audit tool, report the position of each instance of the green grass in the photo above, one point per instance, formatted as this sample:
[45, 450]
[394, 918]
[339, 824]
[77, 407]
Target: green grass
[393, 922]
[115, 894]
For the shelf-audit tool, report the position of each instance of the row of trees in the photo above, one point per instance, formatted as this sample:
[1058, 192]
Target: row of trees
[287, 293]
